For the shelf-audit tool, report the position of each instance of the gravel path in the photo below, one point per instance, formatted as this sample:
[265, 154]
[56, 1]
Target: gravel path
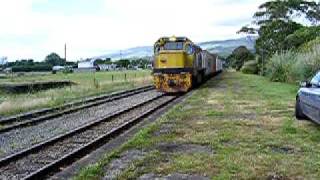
[15, 140]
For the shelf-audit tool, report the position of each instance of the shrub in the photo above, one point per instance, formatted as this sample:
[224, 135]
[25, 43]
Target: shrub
[291, 66]
[280, 66]
[309, 46]
[67, 70]
[250, 67]
[29, 68]
[302, 36]
[308, 63]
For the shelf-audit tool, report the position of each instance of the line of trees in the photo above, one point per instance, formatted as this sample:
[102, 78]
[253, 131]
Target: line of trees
[53, 59]
[280, 34]
[29, 65]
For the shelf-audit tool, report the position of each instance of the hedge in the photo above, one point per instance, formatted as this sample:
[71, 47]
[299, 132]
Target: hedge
[30, 68]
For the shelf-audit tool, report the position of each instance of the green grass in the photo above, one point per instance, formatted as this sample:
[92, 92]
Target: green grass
[88, 84]
[249, 123]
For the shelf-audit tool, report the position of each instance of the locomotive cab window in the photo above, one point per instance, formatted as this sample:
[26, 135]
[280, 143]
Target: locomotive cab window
[157, 49]
[173, 46]
[189, 49]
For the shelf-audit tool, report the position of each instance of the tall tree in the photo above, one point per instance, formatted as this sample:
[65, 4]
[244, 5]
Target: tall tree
[54, 59]
[239, 56]
[275, 21]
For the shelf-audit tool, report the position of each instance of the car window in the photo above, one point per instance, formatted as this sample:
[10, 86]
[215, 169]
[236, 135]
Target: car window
[316, 79]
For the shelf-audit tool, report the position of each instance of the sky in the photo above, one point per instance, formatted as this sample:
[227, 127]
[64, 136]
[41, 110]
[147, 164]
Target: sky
[35, 28]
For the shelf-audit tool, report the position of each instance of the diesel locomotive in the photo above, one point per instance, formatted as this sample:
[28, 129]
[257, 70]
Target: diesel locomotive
[179, 64]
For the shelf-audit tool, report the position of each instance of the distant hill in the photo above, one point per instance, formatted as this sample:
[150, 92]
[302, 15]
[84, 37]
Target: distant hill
[223, 48]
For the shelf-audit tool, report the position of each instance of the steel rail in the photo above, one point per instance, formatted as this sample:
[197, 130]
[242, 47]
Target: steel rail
[37, 113]
[76, 107]
[84, 149]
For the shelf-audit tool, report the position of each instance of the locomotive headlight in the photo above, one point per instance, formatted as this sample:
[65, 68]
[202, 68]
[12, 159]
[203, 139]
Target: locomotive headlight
[189, 49]
[173, 38]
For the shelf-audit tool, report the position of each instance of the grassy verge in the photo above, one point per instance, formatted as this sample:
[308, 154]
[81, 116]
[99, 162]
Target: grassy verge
[88, 84]
[245, 120]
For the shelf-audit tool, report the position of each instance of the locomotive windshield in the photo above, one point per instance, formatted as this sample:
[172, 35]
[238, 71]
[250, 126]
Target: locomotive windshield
[173, 46]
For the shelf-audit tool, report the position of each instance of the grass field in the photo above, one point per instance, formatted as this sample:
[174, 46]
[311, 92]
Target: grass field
[88, 84]
[234, 127]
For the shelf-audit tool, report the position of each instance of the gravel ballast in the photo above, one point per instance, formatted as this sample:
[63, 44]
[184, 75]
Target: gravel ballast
[16, 140]
[32, 162]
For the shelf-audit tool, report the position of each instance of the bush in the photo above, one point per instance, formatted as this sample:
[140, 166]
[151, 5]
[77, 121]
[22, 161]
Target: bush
[250, 67]
[67, 70]
[309, 46]
[302, 36]
[280, 66]
[291, 66]
[308, 63]
[30, 68]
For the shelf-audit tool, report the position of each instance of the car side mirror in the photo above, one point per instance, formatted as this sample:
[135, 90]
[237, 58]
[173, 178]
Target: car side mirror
[305, 84]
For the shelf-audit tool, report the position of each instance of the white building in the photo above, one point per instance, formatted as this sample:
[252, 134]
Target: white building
[107, 67]
[86, 64]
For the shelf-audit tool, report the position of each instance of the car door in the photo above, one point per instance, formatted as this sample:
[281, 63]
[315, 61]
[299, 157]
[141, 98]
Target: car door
[310, 99]
[314, 99]
[308, 102]
[305, 101]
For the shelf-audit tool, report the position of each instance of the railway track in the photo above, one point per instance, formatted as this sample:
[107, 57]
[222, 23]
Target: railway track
[35, 117]
[39, 161]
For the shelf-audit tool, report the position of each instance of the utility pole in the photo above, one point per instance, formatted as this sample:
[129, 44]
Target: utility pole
[65, 52]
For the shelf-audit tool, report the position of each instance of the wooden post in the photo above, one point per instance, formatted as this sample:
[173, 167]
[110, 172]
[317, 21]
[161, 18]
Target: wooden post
[143, 78]
[112, 77]
[125, 76]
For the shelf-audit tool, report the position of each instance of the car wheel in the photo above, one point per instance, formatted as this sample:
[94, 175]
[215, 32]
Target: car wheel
[298, 111]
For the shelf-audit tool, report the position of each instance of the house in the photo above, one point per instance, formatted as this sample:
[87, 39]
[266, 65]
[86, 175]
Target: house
[87, 64]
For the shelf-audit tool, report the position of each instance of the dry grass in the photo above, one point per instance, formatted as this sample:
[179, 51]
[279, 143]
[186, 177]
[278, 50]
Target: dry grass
[88, 84]
[10, 105]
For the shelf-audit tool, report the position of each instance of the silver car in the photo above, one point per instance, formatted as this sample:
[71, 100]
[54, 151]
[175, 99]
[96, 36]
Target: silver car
[308, 100]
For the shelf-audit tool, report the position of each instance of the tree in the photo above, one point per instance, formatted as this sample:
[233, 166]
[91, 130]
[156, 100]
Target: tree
[272, 36]
[239, 56]
[141, 62]
[301, 36]
[123, 63]
[105, 61]
[274, 22]
[54, 59]
[287, 10]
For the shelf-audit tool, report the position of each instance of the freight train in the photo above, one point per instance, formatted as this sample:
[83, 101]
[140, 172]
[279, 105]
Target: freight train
[180, 65]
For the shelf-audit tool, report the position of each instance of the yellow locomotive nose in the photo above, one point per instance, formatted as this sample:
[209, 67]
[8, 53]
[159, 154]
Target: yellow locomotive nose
[172, 59]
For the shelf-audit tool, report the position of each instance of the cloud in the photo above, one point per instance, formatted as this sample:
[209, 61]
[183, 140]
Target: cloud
[34, 28]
